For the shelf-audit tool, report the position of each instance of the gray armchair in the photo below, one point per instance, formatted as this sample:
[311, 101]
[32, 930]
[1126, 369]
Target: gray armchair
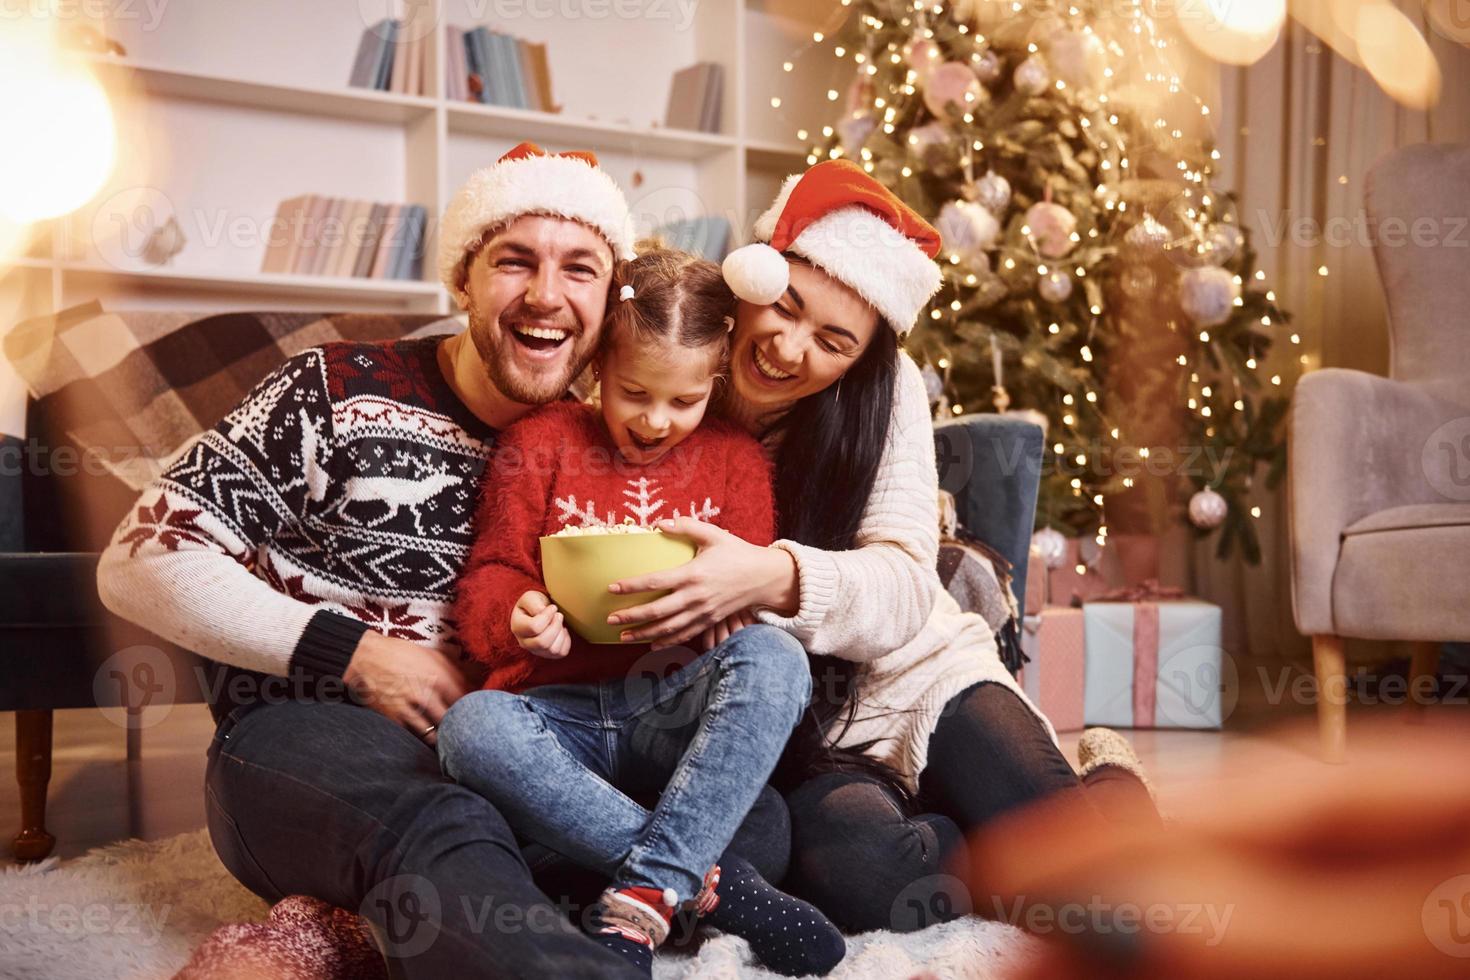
[1379, 478]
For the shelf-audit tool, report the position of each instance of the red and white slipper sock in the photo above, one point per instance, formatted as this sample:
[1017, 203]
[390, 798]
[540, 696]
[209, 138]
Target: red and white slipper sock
[633, 922]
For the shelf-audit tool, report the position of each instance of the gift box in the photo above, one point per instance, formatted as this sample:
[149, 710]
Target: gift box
[1054, 676]
[1060, 586]
[1153, 661]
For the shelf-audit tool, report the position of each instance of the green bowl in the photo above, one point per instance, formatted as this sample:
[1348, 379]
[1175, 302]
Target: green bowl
[578, 569]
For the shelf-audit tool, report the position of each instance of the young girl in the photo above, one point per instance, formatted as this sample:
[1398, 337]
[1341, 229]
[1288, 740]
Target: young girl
[566, 733]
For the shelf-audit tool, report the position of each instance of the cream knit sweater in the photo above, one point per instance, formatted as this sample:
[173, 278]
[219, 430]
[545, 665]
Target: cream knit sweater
[881, 603]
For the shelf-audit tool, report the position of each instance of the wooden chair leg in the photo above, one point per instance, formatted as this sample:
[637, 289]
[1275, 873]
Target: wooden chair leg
[33, 772]
[1330, 664]
[1423, 668]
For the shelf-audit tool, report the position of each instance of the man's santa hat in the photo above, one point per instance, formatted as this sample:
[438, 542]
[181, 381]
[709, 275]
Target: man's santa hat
[853, 228]
[528, 180]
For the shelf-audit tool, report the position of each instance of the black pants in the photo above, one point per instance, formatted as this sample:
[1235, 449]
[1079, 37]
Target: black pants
[335, 801]
[866, 860]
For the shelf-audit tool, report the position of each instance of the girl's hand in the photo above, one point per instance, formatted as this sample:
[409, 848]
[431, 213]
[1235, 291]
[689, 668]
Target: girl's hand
[726, 576]
[722, 631]
[539, 627]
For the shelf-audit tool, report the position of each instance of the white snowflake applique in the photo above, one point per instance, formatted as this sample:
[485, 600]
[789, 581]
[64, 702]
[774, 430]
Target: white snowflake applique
[642, 505]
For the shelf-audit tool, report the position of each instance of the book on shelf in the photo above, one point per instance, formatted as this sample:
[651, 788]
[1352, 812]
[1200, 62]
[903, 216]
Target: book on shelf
[314, 235]
[707, 235]
[389, 61]
[694, 98]
[512, 73]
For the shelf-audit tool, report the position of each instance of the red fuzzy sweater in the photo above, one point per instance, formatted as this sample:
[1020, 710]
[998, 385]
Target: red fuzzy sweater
[558, 467]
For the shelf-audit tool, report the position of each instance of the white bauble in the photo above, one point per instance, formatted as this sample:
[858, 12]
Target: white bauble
[966, 228]
[1148, 237]
[1032, 76]
[1051, 228]
[929, 137]
[988, 67]
[993, 192]
[1055, 286]
[1208, 295]
[1078, 58]
[1207, 509]
[1050, 545]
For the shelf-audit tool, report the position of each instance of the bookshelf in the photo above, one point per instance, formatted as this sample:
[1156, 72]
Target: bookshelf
[222, 114]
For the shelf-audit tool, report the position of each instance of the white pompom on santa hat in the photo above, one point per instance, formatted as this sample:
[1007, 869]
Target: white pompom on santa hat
[528, 180]
[841, 220]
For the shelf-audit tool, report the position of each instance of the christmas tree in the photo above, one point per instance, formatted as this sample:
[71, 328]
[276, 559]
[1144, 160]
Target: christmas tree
[1094, 280]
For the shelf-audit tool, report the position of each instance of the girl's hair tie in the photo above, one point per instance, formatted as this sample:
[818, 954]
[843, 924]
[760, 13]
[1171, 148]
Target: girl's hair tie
[626, 293]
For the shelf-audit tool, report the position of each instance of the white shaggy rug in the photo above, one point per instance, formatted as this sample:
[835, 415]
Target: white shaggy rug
[136, 910]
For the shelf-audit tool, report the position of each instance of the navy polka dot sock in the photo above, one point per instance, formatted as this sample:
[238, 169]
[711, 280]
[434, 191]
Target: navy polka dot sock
[637, 954]
[632, 922]
[786, 934]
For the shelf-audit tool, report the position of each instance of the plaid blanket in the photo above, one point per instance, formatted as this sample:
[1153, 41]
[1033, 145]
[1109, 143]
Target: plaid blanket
[129, 389]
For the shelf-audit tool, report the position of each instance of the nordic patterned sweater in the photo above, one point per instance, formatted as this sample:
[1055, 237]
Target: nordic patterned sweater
[559, 468]
[336, 498]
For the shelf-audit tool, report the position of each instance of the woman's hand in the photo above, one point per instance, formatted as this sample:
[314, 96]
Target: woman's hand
[722, 631]
[726, 576]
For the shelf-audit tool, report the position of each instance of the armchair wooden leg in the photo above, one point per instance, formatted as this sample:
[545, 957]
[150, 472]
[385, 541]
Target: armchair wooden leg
[33, 772]
[1329, 662]
[1423, 668]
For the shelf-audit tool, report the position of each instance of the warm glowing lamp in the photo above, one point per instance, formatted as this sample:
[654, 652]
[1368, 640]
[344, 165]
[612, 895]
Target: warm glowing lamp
[57, 127]
[1236, 32]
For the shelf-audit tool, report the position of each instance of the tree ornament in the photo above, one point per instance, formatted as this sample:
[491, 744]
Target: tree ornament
[922, 55]
[952, 84]
[1208, 295]
[1207, 509]
[1148, 237]
[928, 138]
[854, 131]
[1050, 545]
[1032, 76]
[1055, 286]
[1225, 241]
[966, 228]
[1078, 58]
[1051, 228]
[993, 192]
[988, 67]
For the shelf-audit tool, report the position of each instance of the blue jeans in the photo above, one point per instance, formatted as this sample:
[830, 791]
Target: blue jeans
[562, 763]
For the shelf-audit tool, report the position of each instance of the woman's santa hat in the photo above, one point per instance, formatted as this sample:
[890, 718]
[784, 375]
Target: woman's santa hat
[528, 180]
[847, 224]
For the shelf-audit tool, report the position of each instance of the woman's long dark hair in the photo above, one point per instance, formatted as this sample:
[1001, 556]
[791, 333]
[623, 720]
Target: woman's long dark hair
[831, 445]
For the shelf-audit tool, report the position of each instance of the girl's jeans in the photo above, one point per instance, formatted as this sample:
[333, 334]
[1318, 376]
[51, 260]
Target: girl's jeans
[564, 762]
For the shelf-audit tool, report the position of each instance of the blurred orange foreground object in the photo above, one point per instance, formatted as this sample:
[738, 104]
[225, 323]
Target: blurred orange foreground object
[1302, 870]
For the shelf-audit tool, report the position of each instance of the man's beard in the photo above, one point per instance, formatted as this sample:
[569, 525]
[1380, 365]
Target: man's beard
[493, 343]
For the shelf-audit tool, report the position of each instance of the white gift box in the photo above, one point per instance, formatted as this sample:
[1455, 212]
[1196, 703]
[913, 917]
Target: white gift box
[1155, 664]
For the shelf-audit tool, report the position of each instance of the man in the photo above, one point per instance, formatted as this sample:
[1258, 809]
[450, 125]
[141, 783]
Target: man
[310, 543]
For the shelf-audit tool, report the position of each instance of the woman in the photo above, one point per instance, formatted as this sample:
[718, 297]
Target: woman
[913, 710]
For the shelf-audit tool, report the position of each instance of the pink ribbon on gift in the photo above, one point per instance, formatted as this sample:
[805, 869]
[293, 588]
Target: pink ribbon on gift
[1145, 599]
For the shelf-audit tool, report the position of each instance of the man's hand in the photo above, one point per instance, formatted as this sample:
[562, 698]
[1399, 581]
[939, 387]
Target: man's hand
[539, 627]
[407, 683]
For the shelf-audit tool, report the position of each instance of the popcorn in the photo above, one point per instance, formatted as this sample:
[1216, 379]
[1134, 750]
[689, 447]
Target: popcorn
[627, 527]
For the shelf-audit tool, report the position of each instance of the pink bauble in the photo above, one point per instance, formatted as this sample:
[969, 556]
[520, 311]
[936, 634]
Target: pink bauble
[923, 56]
[1051, 228]
[952, 83]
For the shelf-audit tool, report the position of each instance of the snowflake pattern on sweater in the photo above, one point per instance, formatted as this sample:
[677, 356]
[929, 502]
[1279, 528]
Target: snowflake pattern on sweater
[345, 481]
